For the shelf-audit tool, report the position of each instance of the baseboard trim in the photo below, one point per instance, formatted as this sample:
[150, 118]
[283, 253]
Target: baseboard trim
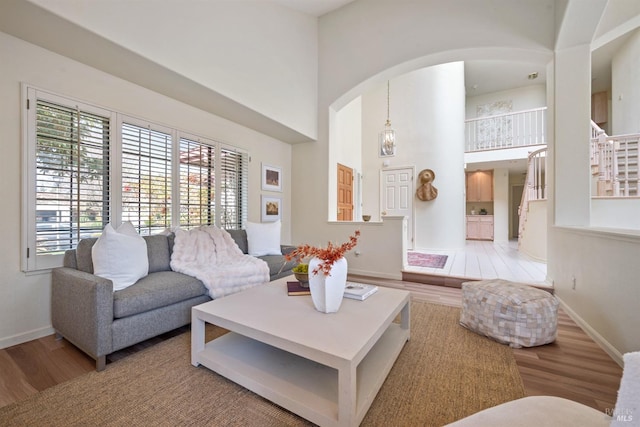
[25, 337]
[435, 279]
[378, 274]
[599, 339]
[453, 281]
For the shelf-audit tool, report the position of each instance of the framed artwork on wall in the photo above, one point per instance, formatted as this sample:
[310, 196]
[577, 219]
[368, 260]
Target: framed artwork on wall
[271, 178]
[271, 208]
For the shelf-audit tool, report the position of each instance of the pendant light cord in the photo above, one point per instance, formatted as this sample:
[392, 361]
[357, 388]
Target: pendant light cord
[388, 101]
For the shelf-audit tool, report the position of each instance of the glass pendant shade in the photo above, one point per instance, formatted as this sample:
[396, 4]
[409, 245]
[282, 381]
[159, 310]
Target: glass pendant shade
[388, 135]
[388, 140]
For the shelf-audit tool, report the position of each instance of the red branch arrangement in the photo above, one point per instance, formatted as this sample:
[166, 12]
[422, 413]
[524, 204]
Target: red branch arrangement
[328, 255]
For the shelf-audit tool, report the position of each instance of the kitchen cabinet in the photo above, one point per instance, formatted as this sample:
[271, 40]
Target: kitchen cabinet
[479, 227]
[479, 186]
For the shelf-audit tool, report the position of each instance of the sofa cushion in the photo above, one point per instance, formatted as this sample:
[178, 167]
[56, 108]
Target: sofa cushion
[536, 411]
[158, 252]
[278, 264]
[156, 290]
[240, 237]
[83, 254]
[120, 255]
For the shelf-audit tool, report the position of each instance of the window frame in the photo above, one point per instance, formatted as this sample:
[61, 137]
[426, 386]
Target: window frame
[219, 207]
[30, 259]
[243, 204]
[192, 139]
[123, 120]
[31, 262]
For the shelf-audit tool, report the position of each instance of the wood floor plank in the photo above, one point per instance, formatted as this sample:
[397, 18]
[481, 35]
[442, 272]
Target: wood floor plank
[36, 368]
[573, 367]
[480, 260]
[13, 384]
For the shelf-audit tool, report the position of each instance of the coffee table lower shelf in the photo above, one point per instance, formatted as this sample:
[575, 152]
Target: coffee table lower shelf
[301, 385]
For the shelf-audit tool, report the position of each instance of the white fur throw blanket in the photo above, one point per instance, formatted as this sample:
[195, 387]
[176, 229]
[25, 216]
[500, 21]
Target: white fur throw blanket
[211, 255]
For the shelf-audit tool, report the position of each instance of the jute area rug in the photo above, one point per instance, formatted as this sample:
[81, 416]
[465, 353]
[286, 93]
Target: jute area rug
[444, 373]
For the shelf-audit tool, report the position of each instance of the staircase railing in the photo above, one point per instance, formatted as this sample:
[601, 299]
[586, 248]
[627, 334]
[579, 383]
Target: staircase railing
[535, 184]
[615, 160]
[519, 129]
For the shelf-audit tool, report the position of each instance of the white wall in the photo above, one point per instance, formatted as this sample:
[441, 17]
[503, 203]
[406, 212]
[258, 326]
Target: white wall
[625, 88]
[25, 299]
[603, 263]
[427, 112]
[347, 134]
[523, 98]
[534, 238]
[501, 205]
[617, 213]
[606, 297]
[259, 54]
[369, 257]
[348, 124]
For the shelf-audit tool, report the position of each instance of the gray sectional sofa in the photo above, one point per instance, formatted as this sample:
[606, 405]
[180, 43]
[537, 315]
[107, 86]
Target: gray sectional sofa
[87, 312]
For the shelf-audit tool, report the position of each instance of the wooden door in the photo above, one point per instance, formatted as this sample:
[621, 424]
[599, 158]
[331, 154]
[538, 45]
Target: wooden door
[396, 197]
[479, 186]
[345, 193]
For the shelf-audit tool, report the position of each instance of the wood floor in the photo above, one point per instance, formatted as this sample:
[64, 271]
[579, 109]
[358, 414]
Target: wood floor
[480, 260]
[573, 367]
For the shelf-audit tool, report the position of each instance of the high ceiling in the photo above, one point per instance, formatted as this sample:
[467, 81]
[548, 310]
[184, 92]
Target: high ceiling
[480, 76]
[483, 77]
[313, 7]
[493, 76]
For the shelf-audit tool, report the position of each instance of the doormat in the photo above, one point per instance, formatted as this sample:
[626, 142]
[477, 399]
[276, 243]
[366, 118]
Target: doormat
[418, 259]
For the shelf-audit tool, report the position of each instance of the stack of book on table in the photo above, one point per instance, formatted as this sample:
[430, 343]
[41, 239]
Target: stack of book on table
[359, 291]
[296, 288]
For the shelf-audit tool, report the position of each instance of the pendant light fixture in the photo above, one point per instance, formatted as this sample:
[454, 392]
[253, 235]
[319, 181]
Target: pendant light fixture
[388, 135]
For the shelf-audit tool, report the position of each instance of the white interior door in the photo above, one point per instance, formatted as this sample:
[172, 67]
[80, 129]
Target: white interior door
[396, 197]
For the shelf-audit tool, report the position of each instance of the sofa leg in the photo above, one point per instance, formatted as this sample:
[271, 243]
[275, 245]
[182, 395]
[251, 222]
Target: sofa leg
[101, 363]
[58, 336]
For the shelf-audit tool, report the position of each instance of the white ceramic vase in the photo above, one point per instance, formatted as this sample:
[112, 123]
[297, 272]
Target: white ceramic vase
[327, 291]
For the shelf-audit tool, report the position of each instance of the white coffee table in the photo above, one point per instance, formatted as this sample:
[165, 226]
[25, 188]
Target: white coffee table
[326, 368]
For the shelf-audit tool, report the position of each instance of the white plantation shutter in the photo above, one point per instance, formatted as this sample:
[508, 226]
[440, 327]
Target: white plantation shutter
[146, 178]
[85, 166]
[213, 184]
[234, 184]
[197, 183]
[72, 196]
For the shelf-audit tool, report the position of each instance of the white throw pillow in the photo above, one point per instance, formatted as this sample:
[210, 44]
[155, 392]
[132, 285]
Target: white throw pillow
[120, 255]
[264, 239]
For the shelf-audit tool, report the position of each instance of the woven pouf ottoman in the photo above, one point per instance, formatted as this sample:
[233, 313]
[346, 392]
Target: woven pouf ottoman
[510, 313]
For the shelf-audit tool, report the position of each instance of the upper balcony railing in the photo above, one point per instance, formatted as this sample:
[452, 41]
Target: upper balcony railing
[615, 161]
[519, 129]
